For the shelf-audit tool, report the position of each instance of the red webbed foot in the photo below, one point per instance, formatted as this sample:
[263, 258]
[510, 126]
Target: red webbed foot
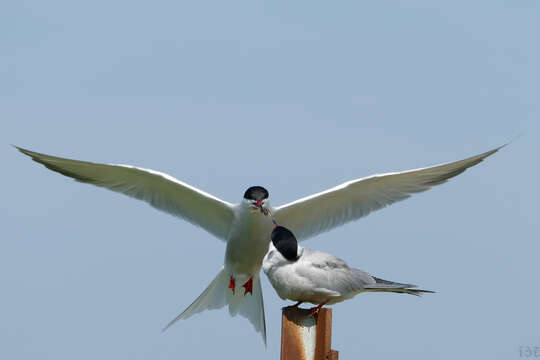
[315, 310]
[248, 286]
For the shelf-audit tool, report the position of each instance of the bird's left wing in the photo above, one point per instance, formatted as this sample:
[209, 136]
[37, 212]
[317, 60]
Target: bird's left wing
[160, 190]
[327, 273]
[352, 200]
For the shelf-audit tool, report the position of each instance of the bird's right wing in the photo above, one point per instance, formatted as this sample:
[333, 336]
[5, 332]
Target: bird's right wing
[160, 190]
[352, 200]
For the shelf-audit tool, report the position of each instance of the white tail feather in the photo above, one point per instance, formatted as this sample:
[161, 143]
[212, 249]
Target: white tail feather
[217, 295]
[252, 308]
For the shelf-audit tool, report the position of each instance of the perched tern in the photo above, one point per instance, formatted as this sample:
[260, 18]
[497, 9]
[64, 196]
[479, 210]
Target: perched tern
[305, 275]
[246, 226]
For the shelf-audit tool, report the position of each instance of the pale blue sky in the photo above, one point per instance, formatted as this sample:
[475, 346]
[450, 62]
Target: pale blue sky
[297, 97]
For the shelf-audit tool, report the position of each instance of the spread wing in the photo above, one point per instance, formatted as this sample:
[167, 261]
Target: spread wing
[352, 200]
[160, 190]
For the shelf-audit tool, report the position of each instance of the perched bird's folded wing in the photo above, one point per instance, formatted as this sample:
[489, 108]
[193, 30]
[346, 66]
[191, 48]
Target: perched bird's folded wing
[352, 200]
[328, 274]
[159, 190]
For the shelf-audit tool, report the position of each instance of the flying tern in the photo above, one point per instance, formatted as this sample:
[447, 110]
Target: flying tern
[305, 275]
[246, 226]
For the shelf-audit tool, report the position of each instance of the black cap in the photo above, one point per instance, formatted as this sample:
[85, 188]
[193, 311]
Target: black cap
[285, 242]
[256, 193]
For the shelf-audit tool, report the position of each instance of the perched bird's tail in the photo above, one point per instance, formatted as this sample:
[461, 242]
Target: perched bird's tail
[390, 286]
[218, 294]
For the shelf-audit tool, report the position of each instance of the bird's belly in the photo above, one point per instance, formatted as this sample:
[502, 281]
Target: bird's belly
[290, 286]
[246, 248]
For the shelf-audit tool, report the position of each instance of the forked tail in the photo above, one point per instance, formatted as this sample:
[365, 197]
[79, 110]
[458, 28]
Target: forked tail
[218, 294]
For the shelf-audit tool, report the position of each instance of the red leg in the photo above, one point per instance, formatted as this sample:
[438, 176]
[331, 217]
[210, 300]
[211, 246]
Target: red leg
[248, 286]
[292, 306]
[232, 284]
[316, 309]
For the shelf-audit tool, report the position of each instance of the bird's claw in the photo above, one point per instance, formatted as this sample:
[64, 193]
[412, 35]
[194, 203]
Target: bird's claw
[314, 311]
[232, 284]
[248, 286]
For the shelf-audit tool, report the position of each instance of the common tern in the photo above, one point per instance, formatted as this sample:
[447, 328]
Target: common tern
[306, 275]
[246, 226]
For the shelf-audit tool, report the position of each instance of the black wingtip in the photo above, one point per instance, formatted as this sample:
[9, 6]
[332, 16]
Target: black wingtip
[24, 151]
[426, 291]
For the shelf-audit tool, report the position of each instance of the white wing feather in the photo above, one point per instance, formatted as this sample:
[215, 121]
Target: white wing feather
[352, 200]
[160, 190]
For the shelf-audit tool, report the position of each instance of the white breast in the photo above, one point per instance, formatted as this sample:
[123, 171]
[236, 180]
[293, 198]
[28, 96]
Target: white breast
[288, 282]
[248, 241]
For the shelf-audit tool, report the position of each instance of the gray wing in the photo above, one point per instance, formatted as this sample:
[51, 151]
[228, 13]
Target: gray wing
[160, 190]
[352, 200]
[330, 274]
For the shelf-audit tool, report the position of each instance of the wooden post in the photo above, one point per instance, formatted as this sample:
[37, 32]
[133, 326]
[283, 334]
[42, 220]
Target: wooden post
[305, 337]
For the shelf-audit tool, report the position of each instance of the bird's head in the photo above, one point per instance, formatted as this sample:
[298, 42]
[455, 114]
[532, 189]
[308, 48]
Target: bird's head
[257, 198]
[285, 242]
